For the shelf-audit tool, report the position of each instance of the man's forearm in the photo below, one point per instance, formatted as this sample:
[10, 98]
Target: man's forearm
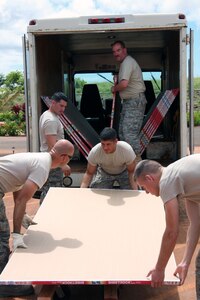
[132, 181]
[87, 178]
[167, 247]
[192, 240]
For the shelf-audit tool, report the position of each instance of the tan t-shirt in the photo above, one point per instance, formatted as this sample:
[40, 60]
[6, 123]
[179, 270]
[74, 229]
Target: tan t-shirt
[131, 71]
[113, 163]
[15, 169]
[49, 125]
[181, 179]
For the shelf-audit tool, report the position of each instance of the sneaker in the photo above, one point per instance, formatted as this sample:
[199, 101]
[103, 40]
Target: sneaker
[16, 290]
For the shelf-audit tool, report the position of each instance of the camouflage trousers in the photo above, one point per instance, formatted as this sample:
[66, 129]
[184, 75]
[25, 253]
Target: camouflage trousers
[4, 235]
[103, 180]
[198, 276]
[131, 119]
[55, 179]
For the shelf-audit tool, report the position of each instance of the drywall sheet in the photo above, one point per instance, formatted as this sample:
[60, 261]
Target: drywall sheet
[91, 236]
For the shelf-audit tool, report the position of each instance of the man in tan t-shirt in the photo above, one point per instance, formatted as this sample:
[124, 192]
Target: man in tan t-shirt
[178, 181]
[131, 89]
[51, 131]
[22, 174]
[110, 161]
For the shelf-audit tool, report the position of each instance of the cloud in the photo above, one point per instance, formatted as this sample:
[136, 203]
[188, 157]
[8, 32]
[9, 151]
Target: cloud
[15, 16]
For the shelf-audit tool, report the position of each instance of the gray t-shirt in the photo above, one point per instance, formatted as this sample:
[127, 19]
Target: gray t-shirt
[131, 71]
[15, 169]
[112, 163]
[181, 179]
[49, 124]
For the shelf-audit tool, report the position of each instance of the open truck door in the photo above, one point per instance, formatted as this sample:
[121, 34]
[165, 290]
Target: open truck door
[191, 91]
[26, 92]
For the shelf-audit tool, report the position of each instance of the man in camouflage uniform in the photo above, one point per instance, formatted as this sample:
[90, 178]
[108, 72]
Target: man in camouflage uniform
[22, 174]
[131, 88]
[5, 235]
[8, 290]
[175, 183]
[110, 161]
[51, 130]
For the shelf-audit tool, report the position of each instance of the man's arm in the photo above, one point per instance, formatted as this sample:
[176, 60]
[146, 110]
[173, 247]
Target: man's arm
[51, 140]
[130, 169]
[87, 177]
[120, 86]
[66, 170]
[168, 242]
[20, 199]
[193, 233]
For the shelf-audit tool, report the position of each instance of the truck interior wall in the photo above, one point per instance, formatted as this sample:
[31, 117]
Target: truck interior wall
[171, 120]
[173, 59]
[94, 62]
[149, 60]
[49, 70]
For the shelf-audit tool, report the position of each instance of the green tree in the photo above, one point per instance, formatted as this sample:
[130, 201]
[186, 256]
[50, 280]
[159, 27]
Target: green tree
[79, 83]
[11, 90]
[2, 79]
[14, 81]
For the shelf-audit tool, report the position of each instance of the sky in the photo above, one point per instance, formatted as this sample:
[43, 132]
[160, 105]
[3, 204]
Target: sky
[15, 16]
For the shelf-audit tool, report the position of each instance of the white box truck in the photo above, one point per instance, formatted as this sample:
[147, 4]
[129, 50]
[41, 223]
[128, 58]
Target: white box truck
[58, 52]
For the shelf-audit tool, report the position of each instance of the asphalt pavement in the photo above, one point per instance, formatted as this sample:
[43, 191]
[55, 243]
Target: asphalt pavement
[16, 144]
[12, 144]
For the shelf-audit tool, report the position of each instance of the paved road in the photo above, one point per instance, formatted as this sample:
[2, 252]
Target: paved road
[12, 144]
[9, 145]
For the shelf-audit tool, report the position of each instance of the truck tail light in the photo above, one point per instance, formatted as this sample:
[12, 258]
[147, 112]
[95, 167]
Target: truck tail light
[32, 22]
[106, 20]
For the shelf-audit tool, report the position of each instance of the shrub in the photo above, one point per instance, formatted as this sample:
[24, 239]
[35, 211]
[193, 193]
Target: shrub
[12, 129]
[2, 130]
[196, 118]
[14, 121]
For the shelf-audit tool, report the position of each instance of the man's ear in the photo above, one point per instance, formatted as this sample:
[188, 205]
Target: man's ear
[63, 156]
[148, 177]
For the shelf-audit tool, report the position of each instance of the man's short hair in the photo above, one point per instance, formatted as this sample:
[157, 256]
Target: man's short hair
[108, 133]
[119, 42]
[146, 166]
[58, 96]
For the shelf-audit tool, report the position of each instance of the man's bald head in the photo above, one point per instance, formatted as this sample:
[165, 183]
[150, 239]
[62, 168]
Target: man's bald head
[63, 147]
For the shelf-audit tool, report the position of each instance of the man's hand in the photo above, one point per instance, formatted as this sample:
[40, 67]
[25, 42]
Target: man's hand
[157, 277]
[181, 272]
[18, 241]
[66, 170]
